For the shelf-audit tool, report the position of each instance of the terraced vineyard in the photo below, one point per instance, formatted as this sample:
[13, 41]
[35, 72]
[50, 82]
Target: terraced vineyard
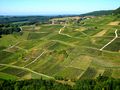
[72, 53]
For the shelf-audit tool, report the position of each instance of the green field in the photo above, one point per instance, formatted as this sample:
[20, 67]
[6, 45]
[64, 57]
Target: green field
[41, 51]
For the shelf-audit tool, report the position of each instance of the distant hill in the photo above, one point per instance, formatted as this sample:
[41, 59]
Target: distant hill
[102, 12]
[44, 19]
[98, 13]
[117, 11]
[11, 19]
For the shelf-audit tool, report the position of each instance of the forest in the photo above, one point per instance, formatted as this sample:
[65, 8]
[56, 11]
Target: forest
[8, 29]
[101, 83]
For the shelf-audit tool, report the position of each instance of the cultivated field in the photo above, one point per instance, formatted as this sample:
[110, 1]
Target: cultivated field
[74, 51]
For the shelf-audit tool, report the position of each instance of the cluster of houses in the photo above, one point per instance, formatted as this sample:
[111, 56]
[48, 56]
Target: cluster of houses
[64, 20]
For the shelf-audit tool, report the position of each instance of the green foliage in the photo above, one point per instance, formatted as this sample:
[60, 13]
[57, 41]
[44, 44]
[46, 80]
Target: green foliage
[117, 11]
[98, 13]
[101, 83]
[36, 35]
[8, 29]
[32, 85]
[24, 19]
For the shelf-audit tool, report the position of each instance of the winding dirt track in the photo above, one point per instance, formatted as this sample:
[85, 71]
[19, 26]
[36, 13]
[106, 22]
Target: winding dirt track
[63, 33]
[116, 36]
[27, 69]
[35, 59]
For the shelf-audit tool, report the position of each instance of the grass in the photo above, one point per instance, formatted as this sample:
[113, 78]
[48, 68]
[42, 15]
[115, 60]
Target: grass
[4, 57]
[107, 72]
[7, 76]
[115, 46]
[7, 40]
[116, 73]
[81, 62]
[69, 72]
[76, 57]
[89, 73]
[34, 35]
[50, 28]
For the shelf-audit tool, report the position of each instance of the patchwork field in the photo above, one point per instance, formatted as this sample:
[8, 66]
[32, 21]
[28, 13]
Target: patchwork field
[58, 51]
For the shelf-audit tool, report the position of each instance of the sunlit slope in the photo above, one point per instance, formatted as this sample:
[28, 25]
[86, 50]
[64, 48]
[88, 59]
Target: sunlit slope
[58, 51]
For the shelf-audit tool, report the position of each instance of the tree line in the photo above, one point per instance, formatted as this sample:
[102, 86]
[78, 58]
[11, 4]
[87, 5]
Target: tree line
[12, 19]
[8, 29]
[101, 83]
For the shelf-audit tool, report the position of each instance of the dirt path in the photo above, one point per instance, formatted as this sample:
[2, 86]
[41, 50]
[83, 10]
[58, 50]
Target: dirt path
[13, 45]
[61, 29]
[22, 49]
[116, 36]
[63, 33]
[27, 69]
[21, 29]
[35, 59]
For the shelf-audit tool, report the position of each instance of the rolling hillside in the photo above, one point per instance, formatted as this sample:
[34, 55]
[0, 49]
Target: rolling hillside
[98, 13]
[102, 12]
[72, 51]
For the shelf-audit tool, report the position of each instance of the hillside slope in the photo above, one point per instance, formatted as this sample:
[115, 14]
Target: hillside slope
[70, 52]
[98, 13]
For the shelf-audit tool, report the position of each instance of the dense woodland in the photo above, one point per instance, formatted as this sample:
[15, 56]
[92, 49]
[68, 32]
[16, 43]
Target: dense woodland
[117, 11]
[8, 29]
[28, 19]
[98, 13]
[101, 83]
